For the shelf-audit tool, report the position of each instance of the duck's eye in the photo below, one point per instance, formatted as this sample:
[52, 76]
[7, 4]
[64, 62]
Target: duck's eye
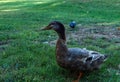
[55, 27]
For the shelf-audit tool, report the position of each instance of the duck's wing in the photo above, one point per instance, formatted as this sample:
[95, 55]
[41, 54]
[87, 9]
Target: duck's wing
[88, 58]
[84, 54]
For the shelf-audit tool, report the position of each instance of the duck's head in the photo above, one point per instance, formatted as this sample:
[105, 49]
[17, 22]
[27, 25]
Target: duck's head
[56, 26]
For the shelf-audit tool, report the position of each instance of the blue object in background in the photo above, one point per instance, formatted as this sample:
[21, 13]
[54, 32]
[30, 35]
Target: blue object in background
[72, 24]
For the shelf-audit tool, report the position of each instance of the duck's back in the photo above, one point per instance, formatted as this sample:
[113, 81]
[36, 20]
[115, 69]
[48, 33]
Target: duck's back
[82, 59]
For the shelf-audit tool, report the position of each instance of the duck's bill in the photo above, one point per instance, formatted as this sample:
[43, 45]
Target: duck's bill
[46, 28]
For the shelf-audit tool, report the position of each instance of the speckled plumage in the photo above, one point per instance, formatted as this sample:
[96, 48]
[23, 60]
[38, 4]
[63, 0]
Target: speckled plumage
[75, 59]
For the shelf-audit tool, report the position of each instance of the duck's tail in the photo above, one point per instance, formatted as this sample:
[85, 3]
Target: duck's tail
[105, 57]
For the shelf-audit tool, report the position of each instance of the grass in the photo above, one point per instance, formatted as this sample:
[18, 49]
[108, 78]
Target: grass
[24, 57]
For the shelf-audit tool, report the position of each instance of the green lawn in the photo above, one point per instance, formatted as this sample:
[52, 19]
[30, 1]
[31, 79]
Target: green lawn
[24, 56]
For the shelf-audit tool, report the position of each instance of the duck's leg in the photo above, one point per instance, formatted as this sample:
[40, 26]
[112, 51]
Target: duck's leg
[77, 80]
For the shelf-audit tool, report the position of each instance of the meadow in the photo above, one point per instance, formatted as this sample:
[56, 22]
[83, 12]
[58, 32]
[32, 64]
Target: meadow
[28, 55]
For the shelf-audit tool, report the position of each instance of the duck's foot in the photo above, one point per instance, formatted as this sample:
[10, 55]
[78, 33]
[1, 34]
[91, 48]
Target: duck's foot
[77, 80]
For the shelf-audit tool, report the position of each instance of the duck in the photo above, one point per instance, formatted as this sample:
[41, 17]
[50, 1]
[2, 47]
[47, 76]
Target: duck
[74, 59]
[72, 24]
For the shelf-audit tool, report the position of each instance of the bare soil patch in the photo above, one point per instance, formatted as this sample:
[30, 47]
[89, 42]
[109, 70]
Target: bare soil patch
[95, 32]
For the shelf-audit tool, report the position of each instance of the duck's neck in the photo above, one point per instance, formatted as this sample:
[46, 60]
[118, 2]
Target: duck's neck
[62, 36]
[61, 48]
